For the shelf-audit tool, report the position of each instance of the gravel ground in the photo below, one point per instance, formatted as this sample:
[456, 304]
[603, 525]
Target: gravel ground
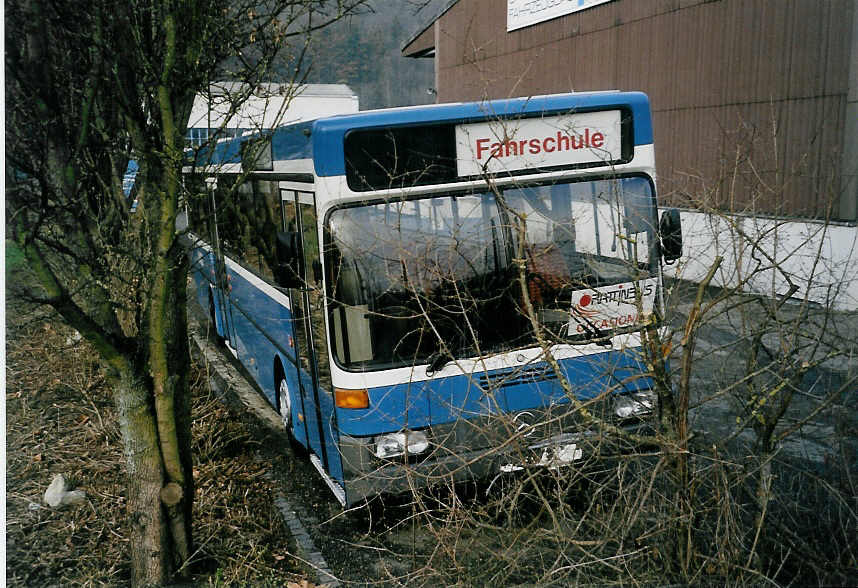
[721, 353]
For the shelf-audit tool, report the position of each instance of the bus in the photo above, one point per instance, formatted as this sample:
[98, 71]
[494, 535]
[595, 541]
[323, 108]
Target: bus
[439, 293]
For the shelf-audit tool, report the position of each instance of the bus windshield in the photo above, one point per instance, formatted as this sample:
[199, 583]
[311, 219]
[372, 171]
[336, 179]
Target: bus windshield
[411, 279]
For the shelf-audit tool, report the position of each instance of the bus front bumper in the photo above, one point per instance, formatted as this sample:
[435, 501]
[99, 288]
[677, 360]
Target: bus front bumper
[503, 446]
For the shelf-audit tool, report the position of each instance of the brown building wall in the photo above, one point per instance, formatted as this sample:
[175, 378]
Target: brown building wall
[754, 91]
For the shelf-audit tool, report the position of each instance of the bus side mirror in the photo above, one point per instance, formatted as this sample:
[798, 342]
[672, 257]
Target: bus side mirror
[287, 273]
[670, 235]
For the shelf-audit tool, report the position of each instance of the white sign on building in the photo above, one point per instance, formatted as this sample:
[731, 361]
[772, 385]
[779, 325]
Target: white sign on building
[523, 13]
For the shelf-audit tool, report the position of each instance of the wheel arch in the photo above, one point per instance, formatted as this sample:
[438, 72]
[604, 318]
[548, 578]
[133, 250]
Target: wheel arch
[279, 372]
[214, 313]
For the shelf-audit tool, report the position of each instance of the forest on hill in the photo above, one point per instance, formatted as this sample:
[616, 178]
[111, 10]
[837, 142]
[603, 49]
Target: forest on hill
[364, 51]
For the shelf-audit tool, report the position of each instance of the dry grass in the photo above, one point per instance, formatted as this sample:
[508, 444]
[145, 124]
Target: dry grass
[61, 419]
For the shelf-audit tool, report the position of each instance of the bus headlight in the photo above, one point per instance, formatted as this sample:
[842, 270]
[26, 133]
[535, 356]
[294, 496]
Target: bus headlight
[394, 444]
[635, 404]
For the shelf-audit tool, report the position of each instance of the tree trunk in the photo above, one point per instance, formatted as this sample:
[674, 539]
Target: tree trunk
[168, 359]
[154, 411]
[148, 532]
[176, 445]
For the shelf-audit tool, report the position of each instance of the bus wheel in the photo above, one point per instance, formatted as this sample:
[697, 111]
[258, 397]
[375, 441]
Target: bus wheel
[284, 407]
[285, 404]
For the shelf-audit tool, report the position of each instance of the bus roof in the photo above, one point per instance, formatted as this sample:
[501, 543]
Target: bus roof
[323, 139]
[329, 133]
[288, 142]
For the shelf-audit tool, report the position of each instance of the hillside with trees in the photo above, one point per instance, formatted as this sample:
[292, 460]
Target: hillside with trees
[363, 51]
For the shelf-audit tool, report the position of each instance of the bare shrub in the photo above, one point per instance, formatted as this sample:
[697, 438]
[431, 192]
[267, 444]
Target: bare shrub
[723, 484]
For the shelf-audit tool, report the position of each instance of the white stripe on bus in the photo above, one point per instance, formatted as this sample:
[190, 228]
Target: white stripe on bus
[260, 284]
[519, 358]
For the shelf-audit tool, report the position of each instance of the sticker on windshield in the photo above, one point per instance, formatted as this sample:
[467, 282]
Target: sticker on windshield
[596, 310]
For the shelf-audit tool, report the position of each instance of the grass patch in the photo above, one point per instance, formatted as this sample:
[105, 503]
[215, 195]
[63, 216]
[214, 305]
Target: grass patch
[15, 259]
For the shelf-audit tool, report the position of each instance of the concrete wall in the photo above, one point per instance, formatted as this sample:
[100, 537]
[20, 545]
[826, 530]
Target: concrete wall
[821, 259]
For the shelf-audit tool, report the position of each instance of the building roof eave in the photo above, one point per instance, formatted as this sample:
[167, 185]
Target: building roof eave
[422, 42]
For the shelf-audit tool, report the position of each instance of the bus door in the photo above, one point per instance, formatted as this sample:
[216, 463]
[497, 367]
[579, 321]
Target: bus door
[312, 368]
[222, 288]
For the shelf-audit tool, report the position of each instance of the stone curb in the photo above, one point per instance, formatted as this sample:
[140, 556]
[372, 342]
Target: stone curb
[305, 543]
[243, 399]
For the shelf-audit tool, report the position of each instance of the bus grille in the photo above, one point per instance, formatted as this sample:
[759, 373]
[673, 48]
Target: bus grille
[516, 377]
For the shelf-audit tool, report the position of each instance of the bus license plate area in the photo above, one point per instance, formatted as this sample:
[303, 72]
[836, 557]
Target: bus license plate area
[550, 454]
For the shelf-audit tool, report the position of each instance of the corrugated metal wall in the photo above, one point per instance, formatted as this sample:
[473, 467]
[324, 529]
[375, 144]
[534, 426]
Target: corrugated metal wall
[748, 96]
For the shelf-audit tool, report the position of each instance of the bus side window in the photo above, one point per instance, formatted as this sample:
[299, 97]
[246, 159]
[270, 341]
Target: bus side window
[310, 239]
[230, 228]
[287, 270]
[248, 223]
[263, 212]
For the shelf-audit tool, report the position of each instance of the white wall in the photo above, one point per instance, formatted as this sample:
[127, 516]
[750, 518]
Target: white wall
[819, 258]
[264, 112]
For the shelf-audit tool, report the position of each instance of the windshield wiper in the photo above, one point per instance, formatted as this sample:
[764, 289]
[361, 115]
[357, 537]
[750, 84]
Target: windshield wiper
[596, 335]
[438, 360]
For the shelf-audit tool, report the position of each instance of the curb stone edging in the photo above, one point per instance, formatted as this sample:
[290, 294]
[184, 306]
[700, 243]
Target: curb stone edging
[305, 543]
[237, 394]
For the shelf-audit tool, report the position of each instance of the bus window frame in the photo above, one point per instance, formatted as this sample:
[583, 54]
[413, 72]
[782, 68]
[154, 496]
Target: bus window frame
[428, 192]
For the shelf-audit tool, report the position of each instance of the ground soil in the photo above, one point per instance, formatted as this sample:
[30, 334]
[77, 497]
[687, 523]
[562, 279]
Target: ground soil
[60, 419]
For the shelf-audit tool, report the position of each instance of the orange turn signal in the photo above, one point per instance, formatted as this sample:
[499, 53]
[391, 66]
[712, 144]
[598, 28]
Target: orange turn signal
[346, 398]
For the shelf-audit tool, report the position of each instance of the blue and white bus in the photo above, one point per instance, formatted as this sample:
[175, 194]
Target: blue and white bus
[404, 285]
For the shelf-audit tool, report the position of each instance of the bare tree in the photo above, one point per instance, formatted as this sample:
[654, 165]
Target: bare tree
[90, 85]
[742, 361]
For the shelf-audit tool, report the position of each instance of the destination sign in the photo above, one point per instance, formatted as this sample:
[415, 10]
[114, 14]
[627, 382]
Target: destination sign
[535, 143]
